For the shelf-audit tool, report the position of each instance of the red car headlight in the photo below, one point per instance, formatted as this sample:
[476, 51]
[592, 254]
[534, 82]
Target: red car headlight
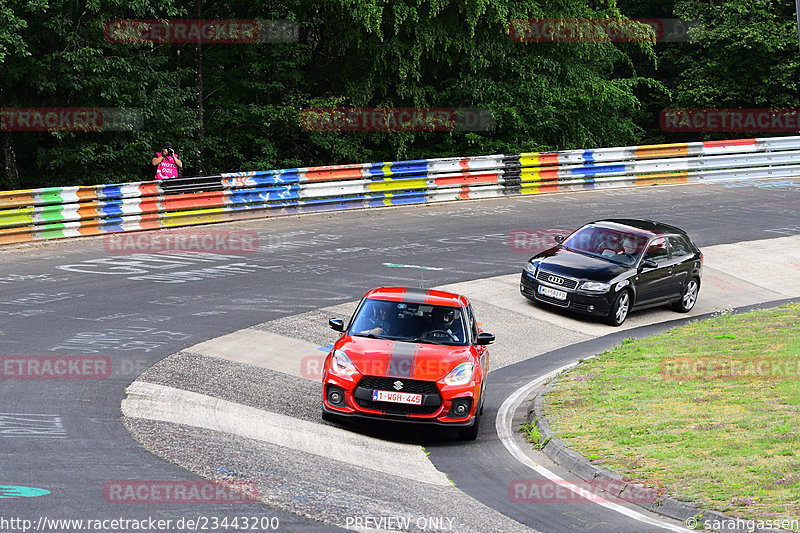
[342, 365]
[460, 375]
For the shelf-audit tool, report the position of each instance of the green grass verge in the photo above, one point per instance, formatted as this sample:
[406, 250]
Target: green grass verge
[533, 435]
[708, 412]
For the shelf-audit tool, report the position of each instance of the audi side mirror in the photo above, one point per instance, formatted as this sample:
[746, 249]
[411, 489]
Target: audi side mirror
[336, 324]
[648, 263]
[559, 238]
[484, 338]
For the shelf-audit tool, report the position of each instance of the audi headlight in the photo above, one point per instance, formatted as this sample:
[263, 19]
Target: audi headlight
[530, 268]
[595, 286]
[460, 375]
[341, 364]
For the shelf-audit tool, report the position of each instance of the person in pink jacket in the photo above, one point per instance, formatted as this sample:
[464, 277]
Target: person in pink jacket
[167, 162]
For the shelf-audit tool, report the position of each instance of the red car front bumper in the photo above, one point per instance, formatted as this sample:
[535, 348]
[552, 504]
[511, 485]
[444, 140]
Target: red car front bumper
[441, 404]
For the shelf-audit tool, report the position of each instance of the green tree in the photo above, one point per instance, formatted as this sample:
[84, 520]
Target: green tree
[232, 107]
[743, 54]
[740, 54]
[14, 14]
[62, 59]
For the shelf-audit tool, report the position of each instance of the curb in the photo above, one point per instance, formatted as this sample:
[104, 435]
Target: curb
[686, 512]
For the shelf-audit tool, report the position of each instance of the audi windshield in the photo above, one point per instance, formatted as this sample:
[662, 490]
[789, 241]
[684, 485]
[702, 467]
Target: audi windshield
[613, 245]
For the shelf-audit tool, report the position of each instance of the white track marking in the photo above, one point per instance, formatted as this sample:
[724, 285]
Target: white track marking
[177, 406]
[504, 429]
[263, 349]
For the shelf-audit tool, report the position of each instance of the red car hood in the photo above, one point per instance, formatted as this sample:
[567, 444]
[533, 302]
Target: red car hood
[397, 359]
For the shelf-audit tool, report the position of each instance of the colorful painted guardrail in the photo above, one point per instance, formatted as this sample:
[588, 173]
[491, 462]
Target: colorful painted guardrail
[59, 212]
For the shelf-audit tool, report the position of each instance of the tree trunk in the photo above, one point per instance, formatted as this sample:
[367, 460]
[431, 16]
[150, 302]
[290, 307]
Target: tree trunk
[9, 161]
[9, 157]
[199, 88]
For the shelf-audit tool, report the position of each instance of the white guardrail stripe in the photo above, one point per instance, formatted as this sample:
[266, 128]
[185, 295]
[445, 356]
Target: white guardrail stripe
[58, 212]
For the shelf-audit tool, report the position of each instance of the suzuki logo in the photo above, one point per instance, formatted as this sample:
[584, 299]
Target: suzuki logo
[556, 280]
[397, 385]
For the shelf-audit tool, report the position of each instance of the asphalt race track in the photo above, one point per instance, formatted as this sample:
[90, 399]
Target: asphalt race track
[76, 298]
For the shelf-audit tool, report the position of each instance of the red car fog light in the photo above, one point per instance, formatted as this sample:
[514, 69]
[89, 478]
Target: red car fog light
[460, 408]
[335, 395]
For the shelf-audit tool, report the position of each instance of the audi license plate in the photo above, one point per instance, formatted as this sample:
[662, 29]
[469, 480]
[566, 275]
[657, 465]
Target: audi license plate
[552, 293]
[396, 397]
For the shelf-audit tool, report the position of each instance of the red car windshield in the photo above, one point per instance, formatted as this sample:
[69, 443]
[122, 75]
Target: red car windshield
[613, 245]
[411, 322]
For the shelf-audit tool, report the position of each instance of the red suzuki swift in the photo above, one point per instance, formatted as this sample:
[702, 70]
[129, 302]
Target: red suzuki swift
[411, 355]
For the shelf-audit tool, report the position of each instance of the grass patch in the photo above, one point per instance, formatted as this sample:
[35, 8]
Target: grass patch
[708, 412]
[533, 435]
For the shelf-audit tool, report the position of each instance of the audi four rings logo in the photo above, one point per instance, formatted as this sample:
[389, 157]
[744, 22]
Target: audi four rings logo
[397, 385]
[555, 279]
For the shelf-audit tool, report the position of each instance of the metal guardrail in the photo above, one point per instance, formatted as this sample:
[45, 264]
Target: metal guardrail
[59, 212]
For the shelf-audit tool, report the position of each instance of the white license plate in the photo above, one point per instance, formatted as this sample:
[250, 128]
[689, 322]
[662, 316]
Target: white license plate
[396, 397]
[552, 293]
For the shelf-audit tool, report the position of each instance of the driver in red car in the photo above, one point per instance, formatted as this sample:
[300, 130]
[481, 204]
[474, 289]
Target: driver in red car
[381, 325]
[444, 320]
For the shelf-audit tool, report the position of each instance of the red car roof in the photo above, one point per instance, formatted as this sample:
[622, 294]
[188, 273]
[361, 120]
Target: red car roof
[421, 296]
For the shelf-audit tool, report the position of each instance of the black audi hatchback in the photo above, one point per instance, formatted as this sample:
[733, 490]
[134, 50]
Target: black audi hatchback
[609, 267]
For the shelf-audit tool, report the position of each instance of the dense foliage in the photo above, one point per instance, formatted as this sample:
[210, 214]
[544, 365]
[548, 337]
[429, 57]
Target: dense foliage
[738, 54]
[230, 107]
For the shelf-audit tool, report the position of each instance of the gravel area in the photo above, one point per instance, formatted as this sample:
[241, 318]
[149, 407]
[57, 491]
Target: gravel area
[311, 326]
[236, 382]
[332, 492]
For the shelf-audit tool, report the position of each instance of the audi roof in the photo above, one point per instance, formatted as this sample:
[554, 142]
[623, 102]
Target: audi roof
[645, 227]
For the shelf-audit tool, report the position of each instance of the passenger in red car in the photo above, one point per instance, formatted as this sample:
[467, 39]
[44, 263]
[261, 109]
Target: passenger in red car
[380, 321]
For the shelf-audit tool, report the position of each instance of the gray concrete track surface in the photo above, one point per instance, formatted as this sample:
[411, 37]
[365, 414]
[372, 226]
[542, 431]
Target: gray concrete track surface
[73, 297]
[237, 385]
